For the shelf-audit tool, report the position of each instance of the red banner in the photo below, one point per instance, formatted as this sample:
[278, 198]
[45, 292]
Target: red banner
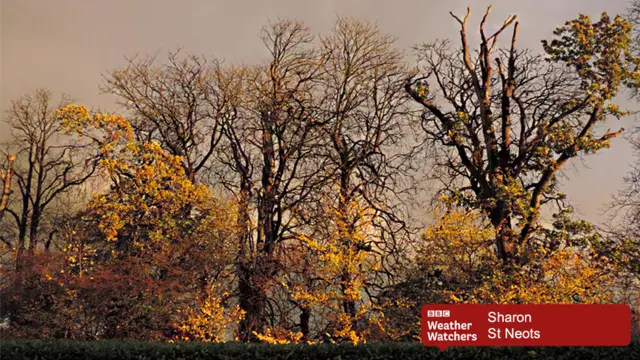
[526, 325]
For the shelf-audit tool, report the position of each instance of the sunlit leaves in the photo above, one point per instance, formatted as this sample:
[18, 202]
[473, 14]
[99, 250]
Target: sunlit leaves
[599, 51]
[210, 320]
[168, 235]
[560, 266]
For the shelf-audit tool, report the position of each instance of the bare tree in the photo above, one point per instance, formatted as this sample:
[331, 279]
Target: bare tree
[312, 125]
[633, 13]
[626, 205]
[175, 103]
[265, 154]
[507, 121]
[48, 164]
[623, 227]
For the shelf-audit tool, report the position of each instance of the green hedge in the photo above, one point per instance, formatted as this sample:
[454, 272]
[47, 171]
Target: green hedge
[118, 350]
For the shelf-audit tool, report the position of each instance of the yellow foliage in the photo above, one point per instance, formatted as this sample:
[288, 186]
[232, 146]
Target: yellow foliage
[150, 188]
[168, 229]
[280, 336]
[210, 321]
[462, 245]
[459, 243]
[338, 261]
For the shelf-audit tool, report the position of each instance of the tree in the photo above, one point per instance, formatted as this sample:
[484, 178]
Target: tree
[176, 104]
[633, 14]
[160, 242]
[265, 152]
[456, 262]
[343, 307]
[309, 120]
[624, 229]
[622, 233]
[211, 320]
[625, 206]
[48, 164]
[365, 121]
[506, 126]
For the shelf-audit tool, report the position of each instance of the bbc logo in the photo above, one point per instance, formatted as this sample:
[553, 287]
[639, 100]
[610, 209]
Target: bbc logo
[438, 313]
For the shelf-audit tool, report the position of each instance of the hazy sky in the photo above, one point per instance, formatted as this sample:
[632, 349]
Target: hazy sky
[66, 46]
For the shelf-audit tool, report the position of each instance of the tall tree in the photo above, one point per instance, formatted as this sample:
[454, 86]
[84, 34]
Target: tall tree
[366, 151]
[352, 221]
[507, 121]
[622, 231]
[266, 147]
[625, 206]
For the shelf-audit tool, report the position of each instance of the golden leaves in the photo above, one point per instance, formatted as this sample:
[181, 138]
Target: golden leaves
[461, 245]
[327, 276]
[280, 336]
[210, 320]
[151, 187]
[160, 233]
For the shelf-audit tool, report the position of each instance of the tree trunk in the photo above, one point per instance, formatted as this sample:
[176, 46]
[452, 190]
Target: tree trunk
[348, 305]
[501, 221]
[305, 317]
[252, 302]
[6, 189]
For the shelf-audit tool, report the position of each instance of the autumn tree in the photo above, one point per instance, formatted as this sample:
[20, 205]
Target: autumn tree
[507, 121]
[48, 164]
[151, 246]
[186, 105]
[456, 262]
[316, 279]
[365, 151]
[318, 122]
[6, 173]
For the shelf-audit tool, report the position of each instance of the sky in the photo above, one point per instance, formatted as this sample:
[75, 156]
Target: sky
[68, 45]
